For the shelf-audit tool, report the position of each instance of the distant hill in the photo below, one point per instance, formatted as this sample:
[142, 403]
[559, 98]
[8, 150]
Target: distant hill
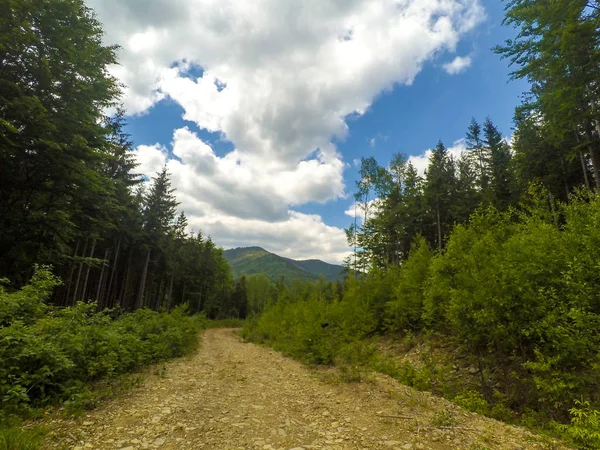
[255, 260]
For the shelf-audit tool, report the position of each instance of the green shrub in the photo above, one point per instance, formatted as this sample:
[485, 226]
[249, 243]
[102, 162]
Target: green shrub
[404, 313]
[312, 328]
[51, 355]
[585, 426]
[472, 401]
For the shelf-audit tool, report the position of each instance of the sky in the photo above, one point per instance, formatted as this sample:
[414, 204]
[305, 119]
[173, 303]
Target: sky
[262, 110]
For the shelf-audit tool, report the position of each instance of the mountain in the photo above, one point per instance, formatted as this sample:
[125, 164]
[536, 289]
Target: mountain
[255, 260]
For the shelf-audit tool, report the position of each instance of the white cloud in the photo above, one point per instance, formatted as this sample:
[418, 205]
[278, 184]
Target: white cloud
[278, 80]
[458, 65]
[421, 162]
[151, 159]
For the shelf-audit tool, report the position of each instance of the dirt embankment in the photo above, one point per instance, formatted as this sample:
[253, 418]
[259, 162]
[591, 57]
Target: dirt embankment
[233, 395]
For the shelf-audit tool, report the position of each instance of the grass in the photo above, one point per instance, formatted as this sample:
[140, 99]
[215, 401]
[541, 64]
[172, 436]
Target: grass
[20, 438]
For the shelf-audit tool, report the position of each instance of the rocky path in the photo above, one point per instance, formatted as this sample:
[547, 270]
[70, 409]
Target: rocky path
[234, 395]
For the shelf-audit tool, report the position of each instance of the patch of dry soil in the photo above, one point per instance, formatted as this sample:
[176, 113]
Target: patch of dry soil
[235, 395]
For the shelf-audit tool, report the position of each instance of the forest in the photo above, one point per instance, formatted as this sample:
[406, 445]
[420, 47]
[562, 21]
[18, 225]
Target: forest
[493, 254]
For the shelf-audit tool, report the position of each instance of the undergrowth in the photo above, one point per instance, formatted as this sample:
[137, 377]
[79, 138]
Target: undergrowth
[75, 356]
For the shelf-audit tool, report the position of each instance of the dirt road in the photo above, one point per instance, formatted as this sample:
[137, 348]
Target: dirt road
[234, 395]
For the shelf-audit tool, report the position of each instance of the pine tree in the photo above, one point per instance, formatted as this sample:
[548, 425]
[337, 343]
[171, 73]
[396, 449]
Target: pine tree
[479, 154]
[159, 212]
[440, 184]
[499, 166]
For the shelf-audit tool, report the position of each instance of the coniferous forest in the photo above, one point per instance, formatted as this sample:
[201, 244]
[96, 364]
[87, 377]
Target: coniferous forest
[493, 255]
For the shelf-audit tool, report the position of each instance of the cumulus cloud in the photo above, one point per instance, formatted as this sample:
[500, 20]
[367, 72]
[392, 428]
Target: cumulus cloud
[150, 159]
[458, 65]
[277, 79]
[420, 162]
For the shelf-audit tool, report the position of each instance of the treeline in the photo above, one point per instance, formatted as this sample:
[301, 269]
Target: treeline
[69, 194]
[399, 205]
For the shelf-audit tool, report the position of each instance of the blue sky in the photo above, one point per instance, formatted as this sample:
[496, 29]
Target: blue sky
[292, 115]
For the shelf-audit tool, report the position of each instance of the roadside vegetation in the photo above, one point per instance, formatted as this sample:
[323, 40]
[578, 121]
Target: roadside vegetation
[68, 356]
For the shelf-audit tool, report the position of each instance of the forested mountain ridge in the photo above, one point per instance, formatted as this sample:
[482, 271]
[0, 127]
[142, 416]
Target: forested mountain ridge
[256, 260]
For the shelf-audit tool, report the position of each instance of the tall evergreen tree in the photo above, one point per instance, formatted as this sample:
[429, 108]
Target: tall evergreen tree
[440, 183]
[499, 166]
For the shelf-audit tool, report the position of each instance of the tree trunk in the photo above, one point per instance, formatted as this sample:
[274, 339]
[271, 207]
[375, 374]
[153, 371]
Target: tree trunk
[170, 294]
[183, 292]
[585, 172]
[564, 176]
[159, 294]
[87, 272]
[113, 273]
[79, 272]
[439, 227]
[100, 282]
[595, 154]
[71, 272]
[140, 299]
[126, 282]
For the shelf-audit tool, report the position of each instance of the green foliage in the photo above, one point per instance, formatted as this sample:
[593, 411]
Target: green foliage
[444, 418]
[585, 426]
[405, 311]
[472, 401]
[27, 305]
[314, 329]
[20, 439]
[54, 354]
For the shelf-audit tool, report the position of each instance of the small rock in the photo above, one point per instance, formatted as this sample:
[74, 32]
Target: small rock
[158, 441]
